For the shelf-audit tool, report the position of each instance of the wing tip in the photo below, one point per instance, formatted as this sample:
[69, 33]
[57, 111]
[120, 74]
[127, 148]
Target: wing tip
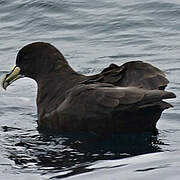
[169, 95]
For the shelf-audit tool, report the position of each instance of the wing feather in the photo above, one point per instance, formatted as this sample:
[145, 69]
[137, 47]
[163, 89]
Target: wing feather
[112, 96]
[134, 73]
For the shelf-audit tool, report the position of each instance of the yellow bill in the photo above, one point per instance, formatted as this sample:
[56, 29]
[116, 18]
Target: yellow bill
[9, 78]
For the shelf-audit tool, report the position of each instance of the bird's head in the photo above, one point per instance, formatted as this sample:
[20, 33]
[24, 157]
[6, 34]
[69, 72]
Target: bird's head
[35, 61]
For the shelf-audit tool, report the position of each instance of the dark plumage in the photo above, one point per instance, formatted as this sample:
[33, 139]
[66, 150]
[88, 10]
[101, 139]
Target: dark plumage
[120, 99]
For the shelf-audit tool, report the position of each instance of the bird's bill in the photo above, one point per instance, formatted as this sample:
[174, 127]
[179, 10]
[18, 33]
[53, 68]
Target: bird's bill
[9, 78]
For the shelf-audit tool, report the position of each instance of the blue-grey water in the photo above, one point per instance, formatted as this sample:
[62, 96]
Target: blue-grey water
[91, 35]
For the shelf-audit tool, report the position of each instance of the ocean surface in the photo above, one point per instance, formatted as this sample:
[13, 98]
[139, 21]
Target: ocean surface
[91, 35]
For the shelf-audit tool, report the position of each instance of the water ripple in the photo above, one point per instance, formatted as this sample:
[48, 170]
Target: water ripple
[91, 35]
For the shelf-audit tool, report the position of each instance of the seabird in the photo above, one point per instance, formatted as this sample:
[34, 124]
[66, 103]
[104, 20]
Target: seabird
[120, 99]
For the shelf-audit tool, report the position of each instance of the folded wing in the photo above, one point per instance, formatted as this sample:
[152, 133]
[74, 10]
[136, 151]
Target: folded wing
[104, 108]
[97, 98]
[134, 73]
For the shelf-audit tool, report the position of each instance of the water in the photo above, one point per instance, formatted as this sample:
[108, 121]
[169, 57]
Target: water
[91, 35]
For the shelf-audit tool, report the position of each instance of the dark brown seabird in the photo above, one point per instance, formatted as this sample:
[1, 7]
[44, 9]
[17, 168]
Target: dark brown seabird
[120, 99]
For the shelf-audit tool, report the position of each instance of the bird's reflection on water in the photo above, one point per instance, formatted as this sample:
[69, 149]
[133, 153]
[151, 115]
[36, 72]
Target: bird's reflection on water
[74, 152]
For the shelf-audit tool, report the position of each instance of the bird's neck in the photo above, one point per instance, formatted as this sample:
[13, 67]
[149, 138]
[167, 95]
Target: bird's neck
[52, 89]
